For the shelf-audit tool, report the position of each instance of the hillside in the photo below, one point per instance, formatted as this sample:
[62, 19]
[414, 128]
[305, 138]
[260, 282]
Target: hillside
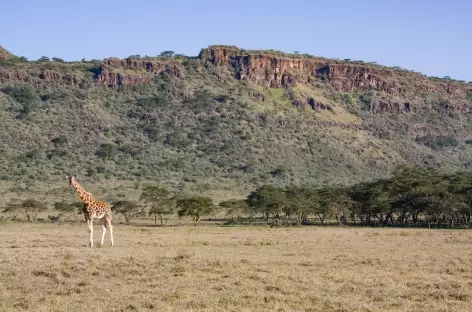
[228, 120]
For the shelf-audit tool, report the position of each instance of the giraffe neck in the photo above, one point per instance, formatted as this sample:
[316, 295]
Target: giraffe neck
[85, 196]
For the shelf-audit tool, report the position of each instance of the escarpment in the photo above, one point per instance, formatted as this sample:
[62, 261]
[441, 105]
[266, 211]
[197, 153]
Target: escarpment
[270, 69]
[266, 68]
[228, 113]
[279, 70]
[125, 72]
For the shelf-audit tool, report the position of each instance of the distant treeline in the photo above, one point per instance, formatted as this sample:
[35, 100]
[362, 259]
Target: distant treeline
[413, 196]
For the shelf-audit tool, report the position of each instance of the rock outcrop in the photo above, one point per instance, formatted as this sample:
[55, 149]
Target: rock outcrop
[274, 70]
[116, 71]
[267, 68]
[42, 75]
[386, 105]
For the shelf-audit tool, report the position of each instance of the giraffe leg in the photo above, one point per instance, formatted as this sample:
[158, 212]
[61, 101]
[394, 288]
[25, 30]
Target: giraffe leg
[104, 230]
[90, 229]
[110, 227]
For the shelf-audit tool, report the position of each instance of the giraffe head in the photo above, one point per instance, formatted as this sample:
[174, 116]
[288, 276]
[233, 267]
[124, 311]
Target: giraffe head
[72, 180]
[85, 196]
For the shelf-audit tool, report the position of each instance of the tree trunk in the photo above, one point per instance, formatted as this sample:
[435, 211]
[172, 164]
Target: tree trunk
[155, 219]
[339, 218]
[304, 218]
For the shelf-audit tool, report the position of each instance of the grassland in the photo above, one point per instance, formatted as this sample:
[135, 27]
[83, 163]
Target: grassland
[46, 267]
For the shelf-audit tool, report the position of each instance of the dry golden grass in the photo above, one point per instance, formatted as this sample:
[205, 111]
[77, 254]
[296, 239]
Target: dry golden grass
[46, 267]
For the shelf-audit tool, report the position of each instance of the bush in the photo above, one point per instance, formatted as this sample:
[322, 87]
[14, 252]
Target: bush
[60, 140]
[437, 142]
[469, 95]
[107, 151]
[23, 94]
[26, 95]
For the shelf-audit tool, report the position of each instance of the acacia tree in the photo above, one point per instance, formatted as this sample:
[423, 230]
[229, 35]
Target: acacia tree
[31, 208]
[160, 203]
[195, 207]
[299, 202]
[267, 200]
[12, 208]
[413, 190]
[234, 207]
[167, 54]
[372, 200]
[334, 201]
[461, 187]
[67, 210]
[127, 209]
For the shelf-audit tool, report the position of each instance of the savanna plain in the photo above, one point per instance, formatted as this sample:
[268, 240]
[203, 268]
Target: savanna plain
[47, 267]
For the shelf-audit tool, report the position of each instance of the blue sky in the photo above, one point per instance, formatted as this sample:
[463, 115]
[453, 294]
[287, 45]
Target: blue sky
[432, 37]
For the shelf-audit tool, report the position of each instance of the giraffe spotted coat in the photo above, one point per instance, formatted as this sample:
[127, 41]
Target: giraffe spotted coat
[94, 209]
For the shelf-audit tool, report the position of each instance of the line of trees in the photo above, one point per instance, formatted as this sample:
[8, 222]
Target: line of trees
[160, 204]
[155, 202]
[30, 208]
[412, 196]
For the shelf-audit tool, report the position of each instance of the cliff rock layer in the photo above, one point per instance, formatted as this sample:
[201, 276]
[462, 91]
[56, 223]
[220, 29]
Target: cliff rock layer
[267, 68]
[273, 70]
[135, 71]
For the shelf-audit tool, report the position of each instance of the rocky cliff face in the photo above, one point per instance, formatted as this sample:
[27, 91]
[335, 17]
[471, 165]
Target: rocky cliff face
[278, 70]
[135, 71]
[264, 69]
[42, 75]
[269, 69]
[112, 72]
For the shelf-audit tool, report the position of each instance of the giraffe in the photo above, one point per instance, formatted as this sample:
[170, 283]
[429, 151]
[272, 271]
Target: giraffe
[93, 209]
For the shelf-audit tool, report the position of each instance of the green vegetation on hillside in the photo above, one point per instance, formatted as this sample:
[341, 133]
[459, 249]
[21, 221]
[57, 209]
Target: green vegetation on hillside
[206, 130]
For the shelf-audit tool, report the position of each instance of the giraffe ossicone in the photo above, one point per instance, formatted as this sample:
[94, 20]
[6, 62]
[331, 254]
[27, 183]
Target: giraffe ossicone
[93, 209]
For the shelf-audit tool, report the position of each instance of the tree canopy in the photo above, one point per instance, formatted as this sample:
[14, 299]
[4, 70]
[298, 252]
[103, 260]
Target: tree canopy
[195, 207]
